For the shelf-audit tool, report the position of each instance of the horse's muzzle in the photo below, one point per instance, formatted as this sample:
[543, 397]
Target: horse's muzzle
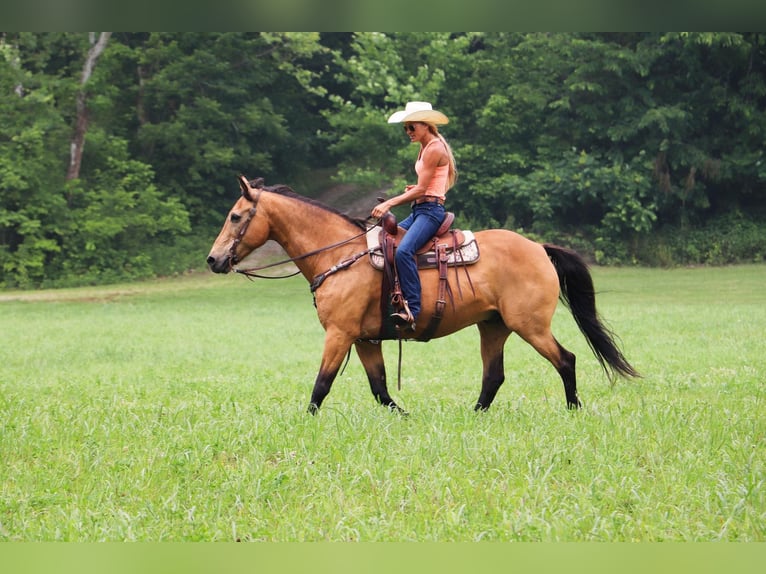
[219, 264]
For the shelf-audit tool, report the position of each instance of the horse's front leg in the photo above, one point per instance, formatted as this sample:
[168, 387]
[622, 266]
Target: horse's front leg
[336, 346]
[493, 337]
[371, 356]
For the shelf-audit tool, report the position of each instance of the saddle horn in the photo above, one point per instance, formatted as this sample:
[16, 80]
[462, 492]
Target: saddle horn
[388, 221]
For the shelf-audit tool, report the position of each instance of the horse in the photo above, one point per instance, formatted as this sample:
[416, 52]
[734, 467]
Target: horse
[514, 287]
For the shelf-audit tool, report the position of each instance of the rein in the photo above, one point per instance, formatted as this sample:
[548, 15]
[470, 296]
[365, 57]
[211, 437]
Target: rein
[251, 272]
[319, 279]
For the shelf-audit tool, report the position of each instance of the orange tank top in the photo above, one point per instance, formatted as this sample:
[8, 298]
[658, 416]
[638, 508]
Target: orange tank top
[437, 187]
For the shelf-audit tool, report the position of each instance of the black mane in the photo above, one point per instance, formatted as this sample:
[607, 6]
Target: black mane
[285, 190]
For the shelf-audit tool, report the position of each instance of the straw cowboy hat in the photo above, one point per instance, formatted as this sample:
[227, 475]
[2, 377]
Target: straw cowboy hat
[418, 112]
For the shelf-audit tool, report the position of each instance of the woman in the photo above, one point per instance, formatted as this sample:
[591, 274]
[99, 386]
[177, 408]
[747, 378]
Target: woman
[435, 168]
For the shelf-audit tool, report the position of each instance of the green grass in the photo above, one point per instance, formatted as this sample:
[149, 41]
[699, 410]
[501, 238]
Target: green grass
[175, 410]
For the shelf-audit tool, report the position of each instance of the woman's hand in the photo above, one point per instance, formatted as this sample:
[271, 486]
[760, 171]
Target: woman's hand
[380, 210]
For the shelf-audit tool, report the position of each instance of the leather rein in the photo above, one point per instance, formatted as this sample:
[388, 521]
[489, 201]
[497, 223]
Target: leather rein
[252, 272]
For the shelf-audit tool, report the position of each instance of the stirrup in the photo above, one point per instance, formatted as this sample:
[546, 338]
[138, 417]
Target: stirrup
[403, 318]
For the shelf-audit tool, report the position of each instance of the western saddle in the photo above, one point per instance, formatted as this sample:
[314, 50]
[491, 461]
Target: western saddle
[440, 252]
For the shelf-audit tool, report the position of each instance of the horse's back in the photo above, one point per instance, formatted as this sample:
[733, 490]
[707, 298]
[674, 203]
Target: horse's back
[514, 254]
[518, 272]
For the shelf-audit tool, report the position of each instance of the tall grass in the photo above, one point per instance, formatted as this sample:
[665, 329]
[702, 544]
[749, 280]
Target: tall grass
[175, 410]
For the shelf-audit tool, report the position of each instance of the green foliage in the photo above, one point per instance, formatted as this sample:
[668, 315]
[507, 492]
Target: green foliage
[730, 239]
[604, 140]
[172, 119]
[112, 214]
[215, 105]
[33, 136]
[92, 230]
[578, 190]
[384, 72]
[573, 133]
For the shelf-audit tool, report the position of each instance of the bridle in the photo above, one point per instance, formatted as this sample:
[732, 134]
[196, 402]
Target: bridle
[233, 259]
[251, 272]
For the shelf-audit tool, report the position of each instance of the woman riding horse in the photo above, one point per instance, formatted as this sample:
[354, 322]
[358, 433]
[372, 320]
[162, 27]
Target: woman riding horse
[516, 285]
[436, 172]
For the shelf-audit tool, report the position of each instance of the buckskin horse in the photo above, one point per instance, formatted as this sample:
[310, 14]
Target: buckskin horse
[514, 287]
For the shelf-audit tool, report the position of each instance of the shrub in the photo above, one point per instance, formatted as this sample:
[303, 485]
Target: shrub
[730, 239]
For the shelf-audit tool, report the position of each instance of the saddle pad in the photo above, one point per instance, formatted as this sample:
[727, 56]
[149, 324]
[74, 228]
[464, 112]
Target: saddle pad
[466, 254]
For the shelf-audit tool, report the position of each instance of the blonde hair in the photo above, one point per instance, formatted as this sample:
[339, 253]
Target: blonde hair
[452, 177]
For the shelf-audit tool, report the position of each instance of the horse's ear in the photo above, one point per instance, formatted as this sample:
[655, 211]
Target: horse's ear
[244, 185]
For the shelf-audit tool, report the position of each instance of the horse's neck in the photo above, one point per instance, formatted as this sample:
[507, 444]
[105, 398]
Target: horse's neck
[300, 227]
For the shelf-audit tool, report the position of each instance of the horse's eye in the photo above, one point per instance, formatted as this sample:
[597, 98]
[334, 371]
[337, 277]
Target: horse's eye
[235, 217]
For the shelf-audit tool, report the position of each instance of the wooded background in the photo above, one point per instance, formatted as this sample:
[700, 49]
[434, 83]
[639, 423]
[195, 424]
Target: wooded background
[118, 152]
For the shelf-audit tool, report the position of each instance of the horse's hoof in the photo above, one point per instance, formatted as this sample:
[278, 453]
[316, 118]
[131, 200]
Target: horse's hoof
[394, 408]
[313, 409]
[401, 412]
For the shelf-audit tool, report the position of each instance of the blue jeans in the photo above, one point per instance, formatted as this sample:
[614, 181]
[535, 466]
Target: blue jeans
[421, 225]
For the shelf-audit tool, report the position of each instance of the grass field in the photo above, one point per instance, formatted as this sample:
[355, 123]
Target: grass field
[175, 410]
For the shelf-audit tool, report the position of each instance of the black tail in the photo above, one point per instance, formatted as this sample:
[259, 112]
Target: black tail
[578, 294]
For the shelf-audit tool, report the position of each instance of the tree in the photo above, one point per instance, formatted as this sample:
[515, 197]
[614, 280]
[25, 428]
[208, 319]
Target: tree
[214, 105]
[30, 173]
[601, 141]
[91, 228]
[81, 124]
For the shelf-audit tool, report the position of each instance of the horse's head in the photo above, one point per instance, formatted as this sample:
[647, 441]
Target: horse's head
[242, 232]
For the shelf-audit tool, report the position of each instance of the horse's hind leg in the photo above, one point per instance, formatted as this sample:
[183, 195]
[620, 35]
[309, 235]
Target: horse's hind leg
[564, 361]
[493, 333]
[371, 356]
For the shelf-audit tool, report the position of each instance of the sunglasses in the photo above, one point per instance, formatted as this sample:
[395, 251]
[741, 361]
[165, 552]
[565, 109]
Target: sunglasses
[409, 128]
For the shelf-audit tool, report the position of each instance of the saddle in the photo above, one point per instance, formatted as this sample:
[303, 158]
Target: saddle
[447, 248]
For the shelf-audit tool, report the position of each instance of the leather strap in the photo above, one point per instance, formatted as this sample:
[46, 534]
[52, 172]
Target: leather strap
[429, 199]
[441, 297]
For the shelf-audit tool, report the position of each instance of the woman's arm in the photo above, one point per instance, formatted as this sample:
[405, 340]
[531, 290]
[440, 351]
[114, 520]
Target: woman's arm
[433, 157]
